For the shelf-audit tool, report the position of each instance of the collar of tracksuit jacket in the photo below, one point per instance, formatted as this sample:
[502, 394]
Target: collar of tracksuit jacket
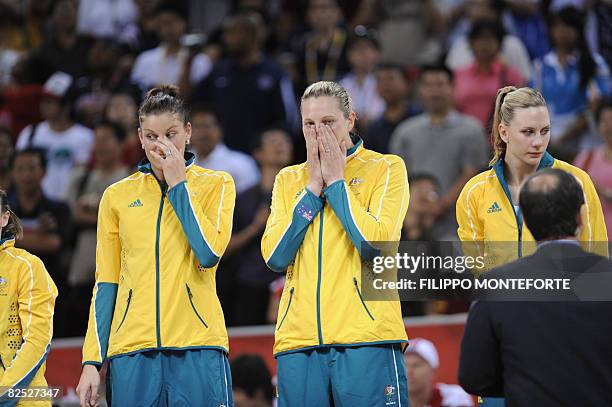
[7, 241]
[547, 161]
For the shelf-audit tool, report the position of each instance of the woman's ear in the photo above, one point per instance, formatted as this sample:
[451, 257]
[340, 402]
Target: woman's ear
[188, 133]
[140, 138]
[5, 219]
[503, 133]
[351, 119]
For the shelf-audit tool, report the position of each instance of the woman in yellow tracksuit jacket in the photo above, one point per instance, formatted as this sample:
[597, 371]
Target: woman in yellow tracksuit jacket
[27, 298]
[331, 345]
[487, 208]
[154, 312]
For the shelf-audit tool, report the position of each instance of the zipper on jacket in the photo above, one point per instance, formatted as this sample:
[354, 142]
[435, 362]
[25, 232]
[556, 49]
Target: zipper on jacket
[287, 309]
[193, 305]
[127, 307]
[361, 298]
[320, 259]
[2, 364]
[157, 232]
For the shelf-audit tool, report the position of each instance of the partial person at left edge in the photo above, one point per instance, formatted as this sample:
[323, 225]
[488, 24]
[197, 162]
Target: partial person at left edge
[27, 300]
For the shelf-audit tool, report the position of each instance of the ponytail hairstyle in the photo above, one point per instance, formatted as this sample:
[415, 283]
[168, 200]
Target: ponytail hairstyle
[508, 100]
[13, 227]
[164, 99]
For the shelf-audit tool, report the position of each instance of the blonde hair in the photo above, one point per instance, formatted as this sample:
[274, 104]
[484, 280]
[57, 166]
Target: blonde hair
[508, 100]
[333, 89]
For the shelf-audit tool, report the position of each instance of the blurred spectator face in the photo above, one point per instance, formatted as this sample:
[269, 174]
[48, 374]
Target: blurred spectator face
[481, 10]
[392, 85]
[363, 56]
[64, 17]
[206, 133]
[420, 373]
[6, 149]
[122, 109]
[605, 125]
[171, 27]
[50, 108]
[485, 47]
[563, 36]
[527, 135]
[323, 15]
[276, 149]
[102, 56]
[28, 172]
[146, 7]
[239, 37]
[107, 146]
[423, 193]
[436, 91]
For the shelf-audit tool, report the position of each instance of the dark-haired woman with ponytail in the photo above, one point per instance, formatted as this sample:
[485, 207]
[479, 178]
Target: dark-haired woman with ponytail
[488, 206]
[27, 299]
[155, 314]
[570, 77]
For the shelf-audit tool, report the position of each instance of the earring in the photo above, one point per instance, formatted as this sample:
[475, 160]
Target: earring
[187, 141]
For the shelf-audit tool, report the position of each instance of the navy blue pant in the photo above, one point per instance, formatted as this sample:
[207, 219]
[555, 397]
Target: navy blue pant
[365, 376]
[176, 378]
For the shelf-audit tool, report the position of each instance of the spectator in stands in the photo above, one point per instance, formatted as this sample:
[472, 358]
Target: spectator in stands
[570, 77]
[106, 18]
[64, 49]
[442, 142]
[476, 85]
[321, 53]
[598, 162]
[67, 144]
[273, 152]
[21, 98]
[410, 31]
[122, 109]
[512, 51]
[46, 222]
[6, 154]
[251, 381]
[84, 192]
[420, 219]
[422, 361]
[250, 91]
[363, 55]
[212, 153]
[393, 88]
[164, 64]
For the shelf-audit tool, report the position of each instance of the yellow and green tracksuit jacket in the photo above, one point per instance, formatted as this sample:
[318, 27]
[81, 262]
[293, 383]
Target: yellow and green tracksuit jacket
[485, 214]
[318, 242]
[156, 257]
[27, 299]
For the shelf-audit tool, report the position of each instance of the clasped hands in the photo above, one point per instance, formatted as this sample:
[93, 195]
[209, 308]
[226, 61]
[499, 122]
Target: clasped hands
[325, 157]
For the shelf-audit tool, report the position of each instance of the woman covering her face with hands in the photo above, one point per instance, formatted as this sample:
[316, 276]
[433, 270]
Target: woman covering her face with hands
[332, 345]
[155, 313]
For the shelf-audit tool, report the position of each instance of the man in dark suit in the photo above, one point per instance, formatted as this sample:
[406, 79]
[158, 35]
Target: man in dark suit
[545, 353]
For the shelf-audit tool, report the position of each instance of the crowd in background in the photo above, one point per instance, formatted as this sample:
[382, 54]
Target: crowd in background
[423, 75]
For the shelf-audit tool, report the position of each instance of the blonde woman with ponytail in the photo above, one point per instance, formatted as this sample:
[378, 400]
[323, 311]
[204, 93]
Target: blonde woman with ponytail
[27, 299]
[488, 206]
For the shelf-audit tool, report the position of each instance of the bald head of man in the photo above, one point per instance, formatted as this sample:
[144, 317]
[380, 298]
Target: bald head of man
[551, 202]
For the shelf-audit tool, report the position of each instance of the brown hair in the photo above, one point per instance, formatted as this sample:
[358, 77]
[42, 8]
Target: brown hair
[164, 99]
[508, 100]
[13, 227]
